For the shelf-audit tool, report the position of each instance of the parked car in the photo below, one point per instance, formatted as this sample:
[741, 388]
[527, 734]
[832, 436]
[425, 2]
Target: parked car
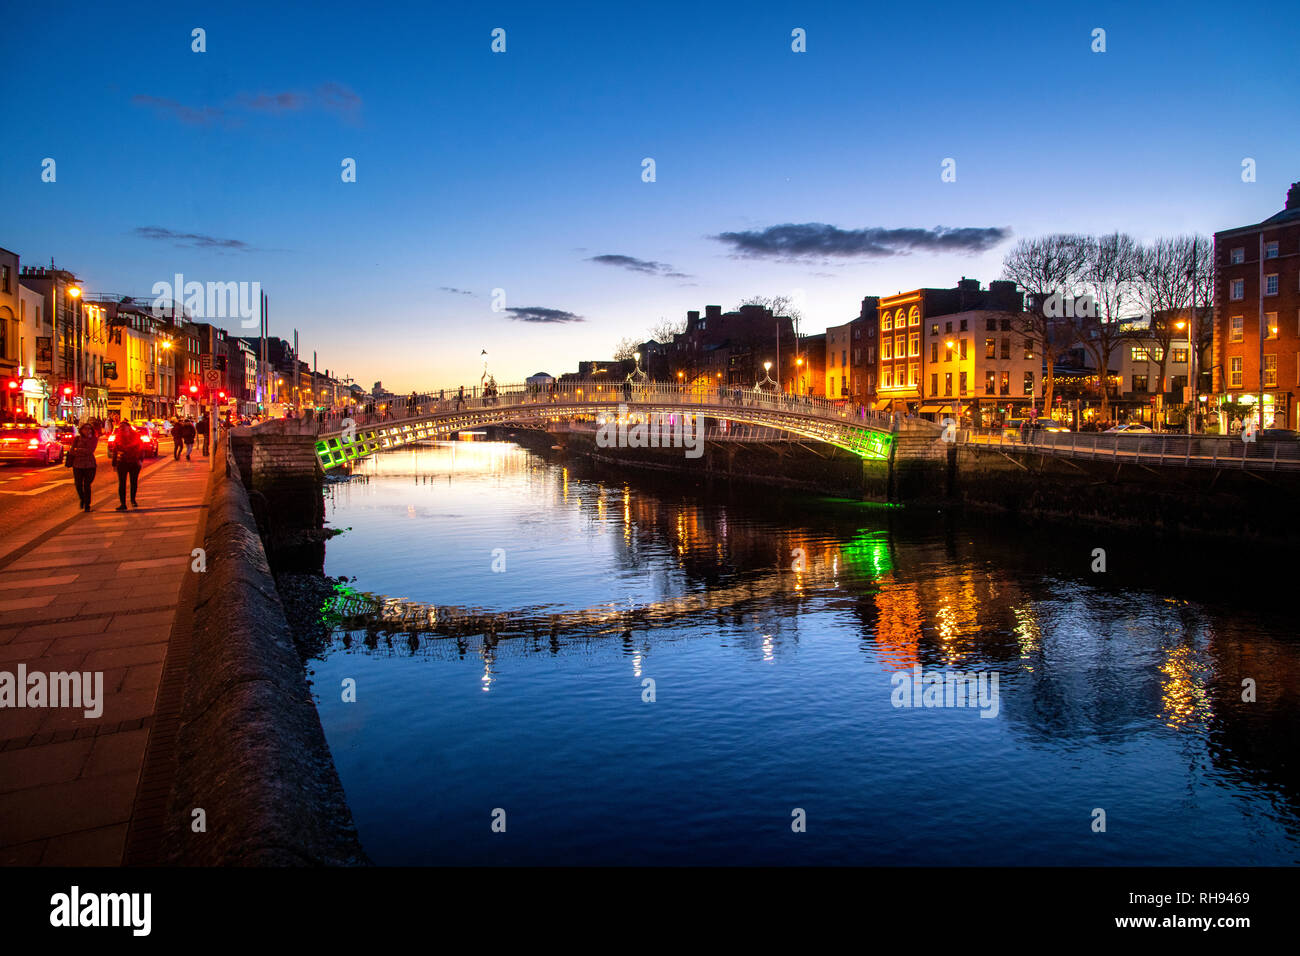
[148, 438]
[31, 444]
[1131, 428]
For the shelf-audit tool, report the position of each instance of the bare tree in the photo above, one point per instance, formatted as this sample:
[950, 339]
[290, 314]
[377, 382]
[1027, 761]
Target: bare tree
[626, 349]
[1168, 270]
[1110, 278]
[1044, 268]
[777, 304]
[664, 331]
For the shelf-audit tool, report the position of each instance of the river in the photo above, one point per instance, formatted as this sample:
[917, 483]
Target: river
[678, 675]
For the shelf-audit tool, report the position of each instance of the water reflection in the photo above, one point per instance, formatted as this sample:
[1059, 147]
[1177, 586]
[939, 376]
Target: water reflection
[1133, 680]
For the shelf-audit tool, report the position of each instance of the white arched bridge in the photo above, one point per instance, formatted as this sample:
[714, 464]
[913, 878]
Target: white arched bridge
[342, 440]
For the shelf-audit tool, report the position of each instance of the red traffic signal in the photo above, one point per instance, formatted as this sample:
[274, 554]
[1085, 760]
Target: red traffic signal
[67, 389]
[194, 389]
[13, 383]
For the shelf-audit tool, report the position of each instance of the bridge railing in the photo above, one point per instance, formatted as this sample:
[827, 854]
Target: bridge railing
[1162, 448]
[658, 393]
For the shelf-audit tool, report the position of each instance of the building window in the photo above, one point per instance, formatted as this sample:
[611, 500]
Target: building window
[1237, 256]
[963, 383]
[947, 352]
[934, 351]
[991, 325]
[1234, 372]
[1270, 250]
[963, 347]
[1029, 348]
[900, 346]
[886, 349]
[1237, 289]
[988, 383]
[871, 355]
[934, 329]
[990, 347]
[4, 277]
[1006, 325]
[914, 373]
[844, 357]
[962, 327]
[934, 383]
[886, 322]
[914, 344]
[914, 318]
[1270, 325]
[1270, 371]
[1270, 284]
[1139, 383]
[887, 377]
[1004, 383]
[947, 384]
[1006, 347]
[1180, 356]
[1237, 328]
[1029, 383]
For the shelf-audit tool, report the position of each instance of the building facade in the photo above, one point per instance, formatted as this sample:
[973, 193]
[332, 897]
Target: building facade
[1256, 346]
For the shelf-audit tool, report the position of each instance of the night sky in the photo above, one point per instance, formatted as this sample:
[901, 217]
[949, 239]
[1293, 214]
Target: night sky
[522, 171]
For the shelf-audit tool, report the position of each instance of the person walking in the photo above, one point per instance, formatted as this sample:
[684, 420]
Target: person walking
[178, 438]
[127, 452]
[81, 459]
[203, 431]
[187, 435]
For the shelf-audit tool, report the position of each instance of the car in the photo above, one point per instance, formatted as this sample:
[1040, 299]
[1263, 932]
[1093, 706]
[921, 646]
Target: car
[148, 438]
[31, 444]
[1053, 426]
[65, 433]
[1131, 428]
[1279, 434]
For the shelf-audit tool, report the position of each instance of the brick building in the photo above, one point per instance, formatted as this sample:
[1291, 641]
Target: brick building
[1248, 260]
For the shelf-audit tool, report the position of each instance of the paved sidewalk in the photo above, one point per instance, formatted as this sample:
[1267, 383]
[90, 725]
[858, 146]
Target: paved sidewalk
[100, 594]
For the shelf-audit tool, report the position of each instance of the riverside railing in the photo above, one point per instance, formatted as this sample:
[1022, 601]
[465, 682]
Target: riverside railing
[1149, 448]
[587, 393]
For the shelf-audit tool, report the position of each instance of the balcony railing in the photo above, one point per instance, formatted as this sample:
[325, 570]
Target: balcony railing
[1162, 448]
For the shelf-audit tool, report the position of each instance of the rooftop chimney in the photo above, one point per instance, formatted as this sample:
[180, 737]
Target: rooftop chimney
[1293, 196]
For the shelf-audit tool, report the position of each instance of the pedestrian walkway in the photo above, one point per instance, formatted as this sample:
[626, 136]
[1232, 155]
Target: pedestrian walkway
[99, 593]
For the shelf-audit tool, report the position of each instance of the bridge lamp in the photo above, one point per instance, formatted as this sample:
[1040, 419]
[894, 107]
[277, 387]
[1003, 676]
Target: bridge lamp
[74, 292]
[767, 366]
[951, 344]
[1180, 325]
[681, 375]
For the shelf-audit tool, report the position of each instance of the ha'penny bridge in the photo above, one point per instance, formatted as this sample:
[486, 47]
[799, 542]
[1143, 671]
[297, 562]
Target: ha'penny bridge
[866, 434]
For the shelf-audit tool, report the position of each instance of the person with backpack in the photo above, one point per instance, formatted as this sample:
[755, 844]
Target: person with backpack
[81, 459]
[127, 453]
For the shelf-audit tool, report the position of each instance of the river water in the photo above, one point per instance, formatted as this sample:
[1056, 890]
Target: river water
[643, 671]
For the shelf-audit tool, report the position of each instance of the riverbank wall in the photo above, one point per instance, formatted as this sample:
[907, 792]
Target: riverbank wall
[255, 783]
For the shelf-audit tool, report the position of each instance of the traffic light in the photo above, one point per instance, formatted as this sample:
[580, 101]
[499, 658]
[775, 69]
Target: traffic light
[67, 391]
[13, 384]
[194, 390]
[222, 396]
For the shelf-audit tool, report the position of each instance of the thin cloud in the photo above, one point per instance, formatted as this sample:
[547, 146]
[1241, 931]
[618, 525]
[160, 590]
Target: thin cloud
[191, 240]
[537, 314]
[447, 288]
[644, 266]
[190, 115]
[817, 240]
[337, 98]
[272, 102]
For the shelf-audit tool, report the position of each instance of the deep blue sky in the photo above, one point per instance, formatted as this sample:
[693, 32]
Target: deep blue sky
[478, 171]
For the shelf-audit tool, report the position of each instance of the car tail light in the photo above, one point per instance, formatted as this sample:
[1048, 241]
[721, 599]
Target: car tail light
[33, 443]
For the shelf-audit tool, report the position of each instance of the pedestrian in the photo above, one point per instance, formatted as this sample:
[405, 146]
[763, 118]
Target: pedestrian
[203, 430]
[126, 455]
[81, 459]
[187, 435]
[178, 438]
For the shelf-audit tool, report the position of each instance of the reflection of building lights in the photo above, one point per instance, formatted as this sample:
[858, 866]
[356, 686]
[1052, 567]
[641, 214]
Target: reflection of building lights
[636, 665]
[767, 648]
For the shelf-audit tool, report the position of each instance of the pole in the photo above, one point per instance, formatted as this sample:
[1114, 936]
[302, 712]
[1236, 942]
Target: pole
[1193, 344]
[297, 375]
[1262, 330]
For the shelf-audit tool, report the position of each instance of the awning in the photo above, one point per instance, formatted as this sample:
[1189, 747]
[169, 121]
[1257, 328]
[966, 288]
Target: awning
[944, 407]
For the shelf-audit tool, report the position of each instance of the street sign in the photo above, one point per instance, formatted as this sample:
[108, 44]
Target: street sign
[205, 361]
[212, 377]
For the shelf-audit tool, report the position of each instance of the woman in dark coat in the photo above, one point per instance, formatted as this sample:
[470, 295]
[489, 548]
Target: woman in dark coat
[81, 458]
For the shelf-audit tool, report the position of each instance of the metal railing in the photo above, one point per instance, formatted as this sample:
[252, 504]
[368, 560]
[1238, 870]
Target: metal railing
[1155, 448]
[658, 393]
